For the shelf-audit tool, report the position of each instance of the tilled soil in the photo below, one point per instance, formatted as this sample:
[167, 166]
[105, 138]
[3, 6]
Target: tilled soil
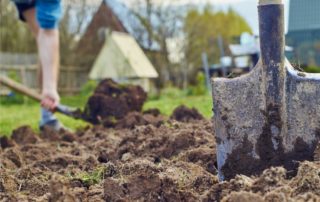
[139, 160]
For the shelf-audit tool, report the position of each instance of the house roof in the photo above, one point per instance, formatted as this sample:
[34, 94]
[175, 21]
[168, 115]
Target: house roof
[122, 57]
[105, 17]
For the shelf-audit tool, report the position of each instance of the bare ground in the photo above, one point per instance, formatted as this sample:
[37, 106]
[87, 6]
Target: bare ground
[166, 161]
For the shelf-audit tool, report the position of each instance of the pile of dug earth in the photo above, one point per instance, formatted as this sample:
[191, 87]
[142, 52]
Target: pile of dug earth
[140, 156]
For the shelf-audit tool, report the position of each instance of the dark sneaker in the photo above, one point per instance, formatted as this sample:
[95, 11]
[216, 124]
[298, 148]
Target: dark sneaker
[55, 125]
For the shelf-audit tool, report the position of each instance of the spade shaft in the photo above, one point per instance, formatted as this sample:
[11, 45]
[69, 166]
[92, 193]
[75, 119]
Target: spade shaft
[272, 43]
[68, 111]
[271, 116]
[271, 23]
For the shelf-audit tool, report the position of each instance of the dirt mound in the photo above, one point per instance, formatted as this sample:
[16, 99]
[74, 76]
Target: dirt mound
[174, 161]
[112, 101]
[134, 119]
[272, 186]
[5, 142]
[24, 135]
[143, 180]
[52, 135]
[185, 114]
[154, 112]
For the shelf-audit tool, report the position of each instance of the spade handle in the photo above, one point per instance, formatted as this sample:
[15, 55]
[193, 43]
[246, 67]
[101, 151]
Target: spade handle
[271, 25]
[36, 96]
[20, 88]
[272, 44]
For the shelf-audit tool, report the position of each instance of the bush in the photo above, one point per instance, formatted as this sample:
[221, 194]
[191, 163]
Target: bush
[200, 88]
[88, 88]
[312, 69]
[172, 92]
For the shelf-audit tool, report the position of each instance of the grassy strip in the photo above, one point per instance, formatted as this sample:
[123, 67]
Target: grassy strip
[91, 178]
[15, 115]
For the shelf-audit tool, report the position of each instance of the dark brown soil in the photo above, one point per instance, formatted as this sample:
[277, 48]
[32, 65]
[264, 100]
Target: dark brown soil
[111, 102]
[5, 142]
[134, 119]
[24, 135]
[185, 114]
[135, 156]
[139, 161]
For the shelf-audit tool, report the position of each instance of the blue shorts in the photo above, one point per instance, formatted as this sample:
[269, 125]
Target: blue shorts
[48, 11]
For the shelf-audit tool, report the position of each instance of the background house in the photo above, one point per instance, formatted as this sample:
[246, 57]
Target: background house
[92, 40]
[122, 60]
[304, 31]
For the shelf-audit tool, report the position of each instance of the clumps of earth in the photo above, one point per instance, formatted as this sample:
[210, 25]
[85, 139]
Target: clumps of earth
[112, 102]
[120, 106]
[138, 160]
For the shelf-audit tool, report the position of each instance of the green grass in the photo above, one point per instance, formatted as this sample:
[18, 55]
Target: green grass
[91, 178]
[15, 115]
[167, 105]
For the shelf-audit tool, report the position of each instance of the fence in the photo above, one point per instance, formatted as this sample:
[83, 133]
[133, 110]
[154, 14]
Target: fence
[70, 79]
[18, 58]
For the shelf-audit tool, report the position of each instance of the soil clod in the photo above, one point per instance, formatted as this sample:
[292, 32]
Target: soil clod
[5, 142]
[185, 114]
[111, 102]
[24, 135]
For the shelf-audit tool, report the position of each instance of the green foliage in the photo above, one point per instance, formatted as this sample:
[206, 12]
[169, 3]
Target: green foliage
[14, 35]
[91, 178]
[312, 69]
[166, 105]
[172, 92]
[203, 29]
[89, 88]
[200, 87]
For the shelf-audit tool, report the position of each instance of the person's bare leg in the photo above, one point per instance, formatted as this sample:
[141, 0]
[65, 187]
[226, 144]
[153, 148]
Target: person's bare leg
[46, 116]
[48, 46]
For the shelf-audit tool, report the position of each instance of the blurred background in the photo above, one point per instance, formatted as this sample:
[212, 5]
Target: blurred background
[170, 48]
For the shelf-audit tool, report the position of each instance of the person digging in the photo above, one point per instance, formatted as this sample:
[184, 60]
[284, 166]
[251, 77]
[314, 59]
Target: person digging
[42, 17]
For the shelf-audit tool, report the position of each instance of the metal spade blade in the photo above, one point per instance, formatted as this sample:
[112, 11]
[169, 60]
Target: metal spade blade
[271, 116]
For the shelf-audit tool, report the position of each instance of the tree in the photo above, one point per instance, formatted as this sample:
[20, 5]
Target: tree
[14, 35]
[156, 22]
[72, 25]
[202, 30]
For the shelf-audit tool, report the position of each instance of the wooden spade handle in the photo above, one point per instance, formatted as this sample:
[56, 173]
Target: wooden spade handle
[68, 111]
[20, 88]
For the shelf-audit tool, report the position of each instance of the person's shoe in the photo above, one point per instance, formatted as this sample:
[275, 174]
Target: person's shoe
[55, 125]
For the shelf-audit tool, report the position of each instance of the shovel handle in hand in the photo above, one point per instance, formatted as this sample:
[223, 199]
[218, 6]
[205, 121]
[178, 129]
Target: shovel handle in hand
[20, 88]
[36, 96]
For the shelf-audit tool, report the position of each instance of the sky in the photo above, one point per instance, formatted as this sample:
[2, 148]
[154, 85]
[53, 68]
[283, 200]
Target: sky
[246, 8]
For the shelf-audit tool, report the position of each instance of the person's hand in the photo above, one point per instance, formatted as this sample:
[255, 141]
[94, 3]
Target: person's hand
[50, 99]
